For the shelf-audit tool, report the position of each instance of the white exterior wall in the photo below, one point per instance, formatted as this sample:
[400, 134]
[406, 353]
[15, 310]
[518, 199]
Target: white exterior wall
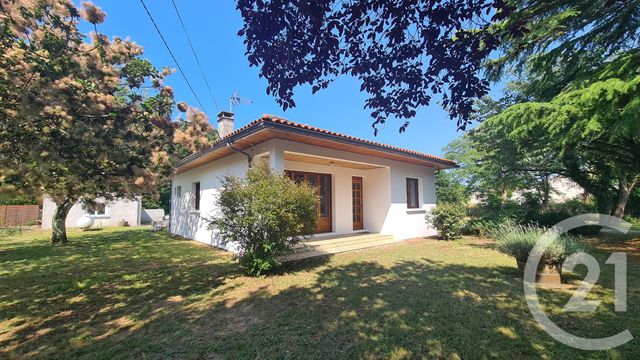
[115, 211]
[406, 223]
[191, 224]
[384, 192]
[148, 216]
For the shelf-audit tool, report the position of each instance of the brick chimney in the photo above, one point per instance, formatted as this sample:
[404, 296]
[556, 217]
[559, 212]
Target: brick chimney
[225, 124]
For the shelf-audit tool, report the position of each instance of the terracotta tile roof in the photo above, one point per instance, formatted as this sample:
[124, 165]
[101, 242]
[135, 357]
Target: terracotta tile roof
[266, 118]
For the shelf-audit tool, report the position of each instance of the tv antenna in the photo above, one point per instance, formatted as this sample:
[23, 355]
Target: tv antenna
[235, 99]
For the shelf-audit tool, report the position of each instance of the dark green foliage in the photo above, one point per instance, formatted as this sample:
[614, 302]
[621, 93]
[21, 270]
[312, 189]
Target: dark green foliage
[162, 201]
[485, 217]
[406, 52]
[449, 189]
[448, 219]
[574, 110]
[589, 133]
[265, 214]
[493, 166]
[632, 220]
[403, 52]
[563, 40]
[496, 209]
[633, 206]
[17, 199]
[479, 226]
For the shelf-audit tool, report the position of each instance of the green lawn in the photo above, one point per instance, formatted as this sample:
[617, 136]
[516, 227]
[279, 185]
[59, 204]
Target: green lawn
[129, 293]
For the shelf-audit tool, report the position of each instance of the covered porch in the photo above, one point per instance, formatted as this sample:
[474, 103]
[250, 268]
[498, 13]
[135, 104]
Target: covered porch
[353, 196]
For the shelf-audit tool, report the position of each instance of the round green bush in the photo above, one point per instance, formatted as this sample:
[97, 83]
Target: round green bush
[265, 213]
[448, 219]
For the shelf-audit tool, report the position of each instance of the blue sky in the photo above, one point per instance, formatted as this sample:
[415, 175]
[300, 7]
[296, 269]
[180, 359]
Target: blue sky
[213, 27]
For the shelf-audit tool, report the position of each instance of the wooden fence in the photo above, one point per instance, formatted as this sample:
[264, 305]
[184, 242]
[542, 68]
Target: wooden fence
[15, 215]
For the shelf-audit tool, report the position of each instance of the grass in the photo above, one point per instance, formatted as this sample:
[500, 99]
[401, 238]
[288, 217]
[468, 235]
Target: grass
[128, 293]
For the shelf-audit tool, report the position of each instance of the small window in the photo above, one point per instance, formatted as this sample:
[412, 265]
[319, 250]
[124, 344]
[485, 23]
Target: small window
[412, 194]
[196, 192]
[96, 209]
[178, 192]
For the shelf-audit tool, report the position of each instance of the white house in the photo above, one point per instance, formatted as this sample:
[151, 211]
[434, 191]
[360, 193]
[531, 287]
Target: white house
[105, 213]
[363, 186]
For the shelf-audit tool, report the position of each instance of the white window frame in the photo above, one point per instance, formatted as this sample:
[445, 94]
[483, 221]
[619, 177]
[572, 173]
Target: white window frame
[94, 214]
[418, 193]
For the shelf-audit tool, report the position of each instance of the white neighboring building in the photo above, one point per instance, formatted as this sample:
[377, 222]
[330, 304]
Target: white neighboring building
[562, 190]
[106, 213]
[362, 185]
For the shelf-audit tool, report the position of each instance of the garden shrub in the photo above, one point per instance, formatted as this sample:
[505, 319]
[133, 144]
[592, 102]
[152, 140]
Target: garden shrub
[559, 212]
[575, 206]
[448, 219]
[519, 240]
[265, 213]
[631, 220]
[480, 226]
[496, 211]
[485, 217]
[548, 218]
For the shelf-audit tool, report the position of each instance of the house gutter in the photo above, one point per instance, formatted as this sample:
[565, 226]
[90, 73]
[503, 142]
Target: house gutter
[220, 144]
[249, 157]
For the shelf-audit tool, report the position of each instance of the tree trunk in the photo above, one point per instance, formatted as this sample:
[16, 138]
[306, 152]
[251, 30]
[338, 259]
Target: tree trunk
[59, 235]
[546, 189]
[624, 191]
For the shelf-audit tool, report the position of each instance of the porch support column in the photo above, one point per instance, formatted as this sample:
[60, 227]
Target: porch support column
[276, 157]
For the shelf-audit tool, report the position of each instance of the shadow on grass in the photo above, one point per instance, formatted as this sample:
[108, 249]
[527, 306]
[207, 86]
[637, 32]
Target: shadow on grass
[98, 284]
[187, 304]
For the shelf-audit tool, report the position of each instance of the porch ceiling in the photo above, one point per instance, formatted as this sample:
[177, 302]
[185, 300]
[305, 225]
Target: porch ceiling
[328, 161]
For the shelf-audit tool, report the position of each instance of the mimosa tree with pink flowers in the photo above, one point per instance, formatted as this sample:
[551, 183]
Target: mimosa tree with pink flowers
[83, 116]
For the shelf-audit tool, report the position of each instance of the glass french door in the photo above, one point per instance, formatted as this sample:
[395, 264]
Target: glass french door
[356, 202]
[322, 183]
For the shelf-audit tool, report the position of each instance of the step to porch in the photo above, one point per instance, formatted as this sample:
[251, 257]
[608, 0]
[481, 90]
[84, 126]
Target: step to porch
[337, 244]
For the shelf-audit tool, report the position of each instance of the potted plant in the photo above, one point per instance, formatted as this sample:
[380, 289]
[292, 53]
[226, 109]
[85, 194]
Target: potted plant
[519, 240]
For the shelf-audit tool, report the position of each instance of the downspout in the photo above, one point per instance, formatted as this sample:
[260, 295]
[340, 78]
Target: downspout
[249, 158]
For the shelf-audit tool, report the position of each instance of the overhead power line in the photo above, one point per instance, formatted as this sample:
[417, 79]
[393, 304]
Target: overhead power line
[172, 56]
[193, 50]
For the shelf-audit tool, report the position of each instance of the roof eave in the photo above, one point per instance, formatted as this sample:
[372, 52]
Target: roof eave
[260, 125]
[303, 131]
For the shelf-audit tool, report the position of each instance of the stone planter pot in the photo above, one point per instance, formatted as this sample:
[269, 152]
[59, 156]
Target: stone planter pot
[546, 274]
